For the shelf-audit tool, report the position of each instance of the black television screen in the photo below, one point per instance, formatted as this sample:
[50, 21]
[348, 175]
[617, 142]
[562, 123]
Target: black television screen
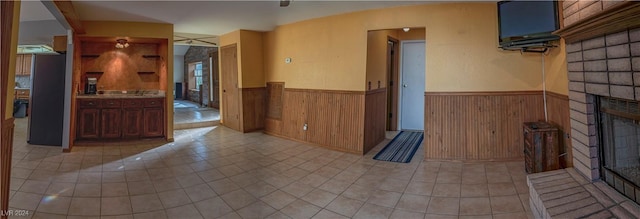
[527, 21]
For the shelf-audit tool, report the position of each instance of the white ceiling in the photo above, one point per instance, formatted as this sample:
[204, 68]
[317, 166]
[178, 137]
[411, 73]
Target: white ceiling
[211, 17]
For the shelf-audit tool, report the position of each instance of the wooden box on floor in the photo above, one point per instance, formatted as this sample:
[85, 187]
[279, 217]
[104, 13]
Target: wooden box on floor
[540, 147]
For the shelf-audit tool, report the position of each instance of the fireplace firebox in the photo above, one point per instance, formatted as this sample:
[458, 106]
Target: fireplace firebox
[620, 145]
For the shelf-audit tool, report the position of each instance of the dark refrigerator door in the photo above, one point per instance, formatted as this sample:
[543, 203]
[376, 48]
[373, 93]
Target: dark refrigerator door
[47, 100]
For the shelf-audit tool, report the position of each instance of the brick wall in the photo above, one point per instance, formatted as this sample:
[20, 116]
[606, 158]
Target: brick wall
[199, 54]
[609, 66]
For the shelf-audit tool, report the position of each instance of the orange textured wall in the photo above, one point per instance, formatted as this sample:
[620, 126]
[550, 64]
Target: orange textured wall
[122, 69]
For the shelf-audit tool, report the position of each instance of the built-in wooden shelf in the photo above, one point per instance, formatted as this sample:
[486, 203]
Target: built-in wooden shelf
[625, 15]
[90, 56]
[94, 72]
[150, 56]
[146, 72]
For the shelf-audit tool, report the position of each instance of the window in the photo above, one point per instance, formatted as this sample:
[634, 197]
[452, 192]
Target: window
[197, 74]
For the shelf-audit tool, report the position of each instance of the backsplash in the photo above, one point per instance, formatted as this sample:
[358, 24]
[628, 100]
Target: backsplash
[23, 81]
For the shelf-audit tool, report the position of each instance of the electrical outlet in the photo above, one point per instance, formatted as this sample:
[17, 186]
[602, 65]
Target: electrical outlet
[304, 127]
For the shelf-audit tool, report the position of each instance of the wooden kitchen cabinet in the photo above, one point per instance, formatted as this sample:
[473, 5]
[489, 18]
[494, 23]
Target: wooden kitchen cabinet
[152, 126]
[132, 118]
[88, 123]
[110, 123]
[112, 119]
[23, 64]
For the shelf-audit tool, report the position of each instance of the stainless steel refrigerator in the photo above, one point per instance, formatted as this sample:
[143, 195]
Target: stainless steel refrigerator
[47, 100]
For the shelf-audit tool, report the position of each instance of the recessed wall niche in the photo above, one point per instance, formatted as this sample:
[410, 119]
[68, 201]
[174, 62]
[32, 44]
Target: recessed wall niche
[136, 67]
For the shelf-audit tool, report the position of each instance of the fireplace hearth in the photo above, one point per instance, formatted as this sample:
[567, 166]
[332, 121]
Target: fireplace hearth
[619, 130]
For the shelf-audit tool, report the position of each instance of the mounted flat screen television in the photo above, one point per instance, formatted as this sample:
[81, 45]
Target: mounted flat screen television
[523, 23]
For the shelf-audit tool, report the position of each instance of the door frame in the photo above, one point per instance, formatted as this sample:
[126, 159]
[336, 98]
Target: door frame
[402, 46]
[393, 79]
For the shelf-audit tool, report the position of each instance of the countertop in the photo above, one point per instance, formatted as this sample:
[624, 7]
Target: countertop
[118, 96]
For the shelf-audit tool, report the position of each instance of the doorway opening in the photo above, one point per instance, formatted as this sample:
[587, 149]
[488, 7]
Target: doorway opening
[403, 60]
[198, 105]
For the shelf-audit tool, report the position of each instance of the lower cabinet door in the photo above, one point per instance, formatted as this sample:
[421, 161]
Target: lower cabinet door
[110, 123]
[88, 124]
[131, 123]
[153, 124]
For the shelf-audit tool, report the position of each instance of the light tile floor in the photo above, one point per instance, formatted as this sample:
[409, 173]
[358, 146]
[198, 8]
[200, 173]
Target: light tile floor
[188, 112]
[216, 172]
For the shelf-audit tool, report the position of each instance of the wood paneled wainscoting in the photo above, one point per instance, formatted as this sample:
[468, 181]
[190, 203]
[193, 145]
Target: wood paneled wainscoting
[253, 108]
[478, 125]
[333, 119]
[375, 113]
[558, 114]
[6, 150]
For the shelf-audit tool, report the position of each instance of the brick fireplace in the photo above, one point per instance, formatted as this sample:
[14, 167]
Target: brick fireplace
[602, 41]
[607, 66]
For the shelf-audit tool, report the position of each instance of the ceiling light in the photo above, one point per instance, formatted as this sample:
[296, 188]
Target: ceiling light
[121, 43]
[406, 29]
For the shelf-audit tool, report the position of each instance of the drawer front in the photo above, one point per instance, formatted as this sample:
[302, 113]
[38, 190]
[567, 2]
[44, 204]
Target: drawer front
[89, 103]
[132, 103]
[153, 103]
[111, 103]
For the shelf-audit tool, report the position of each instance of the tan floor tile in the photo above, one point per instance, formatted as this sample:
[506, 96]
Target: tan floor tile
[174, 198]
[27, 201]
[34, 186]
[54, 205]
[474, 190]
[278, 199]
[297, 189]
[145, 203]
[319, 197]
[257, 209]
[384, 198]
[475, 206]
[278, 215]
[444, 206]
[238, 199]
[506, 204]
[300, 209]
[151, 215]
[140, 187]
[393, 185]
[190, 180]
[358, 192]
[164, 185]
[61, 189]
[501, 189]
[402, 214]
[326, 214]
[115, 206]
[419, 188]
[85, 207]
[185, 211]
[87, 190]
[449, 177]
[85, 177]
[114, 189]
[474, 178]
[108, 177]
[223, 186]
[345, 206]
[200, 192]
[415, 203]
[446, 190]
[371, 211]
[475, 217]
[136, 175]
[213, 207]
[260, 189]
[335, 186]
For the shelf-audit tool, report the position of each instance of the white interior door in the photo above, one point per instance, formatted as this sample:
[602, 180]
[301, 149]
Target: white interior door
[412, 85]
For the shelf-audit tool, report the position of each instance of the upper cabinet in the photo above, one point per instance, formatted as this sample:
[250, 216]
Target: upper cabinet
[23, 64]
